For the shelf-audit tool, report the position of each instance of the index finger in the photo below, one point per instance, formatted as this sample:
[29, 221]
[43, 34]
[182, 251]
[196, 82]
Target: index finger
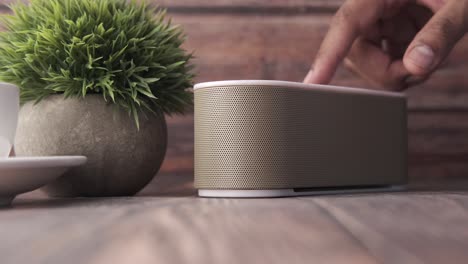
[353, 17]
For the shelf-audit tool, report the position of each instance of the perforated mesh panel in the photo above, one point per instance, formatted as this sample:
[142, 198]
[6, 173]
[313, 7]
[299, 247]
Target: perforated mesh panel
[262, 137]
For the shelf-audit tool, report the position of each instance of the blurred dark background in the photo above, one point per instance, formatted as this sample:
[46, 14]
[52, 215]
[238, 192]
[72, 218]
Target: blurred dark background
[278, 39]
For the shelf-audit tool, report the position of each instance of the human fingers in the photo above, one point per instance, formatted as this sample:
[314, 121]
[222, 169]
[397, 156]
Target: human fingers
[374, 64]
[437, 38]
[346, 26]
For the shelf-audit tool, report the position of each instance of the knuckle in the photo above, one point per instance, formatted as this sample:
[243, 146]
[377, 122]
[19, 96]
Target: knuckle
[446, 26]
[344, 15]
[339, 18]
[446, 31]
[351, 12]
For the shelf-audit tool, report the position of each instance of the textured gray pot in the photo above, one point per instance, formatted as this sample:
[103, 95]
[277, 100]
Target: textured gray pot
[121, 159]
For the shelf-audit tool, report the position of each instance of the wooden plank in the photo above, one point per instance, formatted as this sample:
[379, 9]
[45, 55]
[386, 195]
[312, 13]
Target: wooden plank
[372, 228]
[436, 133]
[410, 228]
[438, 149]
[251, 3]
[175, 230]
[244, 7]
[283, 47]
[179, 155]
[439, 176]
[197, 4]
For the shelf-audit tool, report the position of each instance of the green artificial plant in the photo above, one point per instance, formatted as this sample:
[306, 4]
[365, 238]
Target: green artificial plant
[125, 50]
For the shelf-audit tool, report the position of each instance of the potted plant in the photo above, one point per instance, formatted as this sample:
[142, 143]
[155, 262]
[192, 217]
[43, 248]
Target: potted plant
[96, 78]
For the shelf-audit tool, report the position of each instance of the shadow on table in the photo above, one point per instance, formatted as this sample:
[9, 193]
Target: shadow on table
[23, 203]
[173, 185]
[181, 185]
[170, 185]
[176, 185]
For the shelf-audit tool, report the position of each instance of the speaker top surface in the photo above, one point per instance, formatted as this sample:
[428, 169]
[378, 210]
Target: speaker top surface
[296, 85]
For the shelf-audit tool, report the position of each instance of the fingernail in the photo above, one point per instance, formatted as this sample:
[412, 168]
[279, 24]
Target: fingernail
[422, 56]
[308, 78]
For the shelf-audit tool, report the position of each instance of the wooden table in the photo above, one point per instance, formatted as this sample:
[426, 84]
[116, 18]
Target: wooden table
[162, 227]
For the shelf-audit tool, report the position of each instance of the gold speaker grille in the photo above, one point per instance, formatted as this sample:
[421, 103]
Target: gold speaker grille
[263, 137]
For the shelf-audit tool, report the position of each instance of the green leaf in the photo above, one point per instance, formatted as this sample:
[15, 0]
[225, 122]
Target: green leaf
[125, 50]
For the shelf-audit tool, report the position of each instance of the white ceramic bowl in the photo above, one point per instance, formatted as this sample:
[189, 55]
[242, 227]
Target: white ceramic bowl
[23, 174]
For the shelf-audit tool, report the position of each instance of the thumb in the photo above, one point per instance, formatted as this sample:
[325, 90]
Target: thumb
[437, 38]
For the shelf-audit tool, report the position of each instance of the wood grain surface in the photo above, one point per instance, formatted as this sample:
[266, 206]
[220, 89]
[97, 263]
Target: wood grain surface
[413, 227]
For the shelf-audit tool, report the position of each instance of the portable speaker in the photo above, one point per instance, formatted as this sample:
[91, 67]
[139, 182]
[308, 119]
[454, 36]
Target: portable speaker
[275, 138]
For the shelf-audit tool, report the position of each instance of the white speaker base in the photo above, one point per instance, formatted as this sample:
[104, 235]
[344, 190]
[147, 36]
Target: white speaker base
[292, 192]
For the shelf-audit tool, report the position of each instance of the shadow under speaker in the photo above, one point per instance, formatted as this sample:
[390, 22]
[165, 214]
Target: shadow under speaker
[275, 138]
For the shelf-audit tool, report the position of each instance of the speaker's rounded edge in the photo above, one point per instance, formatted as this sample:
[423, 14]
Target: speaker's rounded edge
[246, 193]
[297, 85]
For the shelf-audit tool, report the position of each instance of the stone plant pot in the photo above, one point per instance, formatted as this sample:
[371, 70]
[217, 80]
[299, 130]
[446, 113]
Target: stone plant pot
[121, 159]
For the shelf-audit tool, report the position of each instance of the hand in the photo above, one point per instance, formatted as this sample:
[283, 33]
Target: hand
[392, 43]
